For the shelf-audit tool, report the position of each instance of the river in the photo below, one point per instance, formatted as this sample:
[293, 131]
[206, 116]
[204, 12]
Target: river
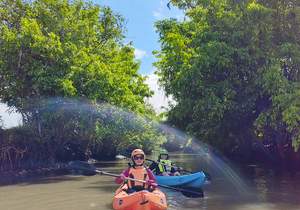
[255, 188]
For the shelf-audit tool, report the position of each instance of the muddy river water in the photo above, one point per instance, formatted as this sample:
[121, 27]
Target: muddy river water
[254, 188]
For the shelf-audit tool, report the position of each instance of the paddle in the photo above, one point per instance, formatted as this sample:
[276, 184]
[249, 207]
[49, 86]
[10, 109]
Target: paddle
[84, 166]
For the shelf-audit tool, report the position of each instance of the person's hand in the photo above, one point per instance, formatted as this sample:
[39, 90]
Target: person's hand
[123, 177]
[152, 183]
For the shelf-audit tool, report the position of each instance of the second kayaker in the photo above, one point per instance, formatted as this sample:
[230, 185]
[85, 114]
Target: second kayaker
[137, 171]
[164, 167]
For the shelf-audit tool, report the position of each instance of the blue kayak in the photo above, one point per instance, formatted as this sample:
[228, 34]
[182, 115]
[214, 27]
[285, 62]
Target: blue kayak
[195, 180]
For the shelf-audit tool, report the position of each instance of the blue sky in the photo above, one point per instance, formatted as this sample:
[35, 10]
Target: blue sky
[140, 16]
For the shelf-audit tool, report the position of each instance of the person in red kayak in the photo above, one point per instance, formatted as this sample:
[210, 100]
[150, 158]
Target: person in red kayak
[137, 171]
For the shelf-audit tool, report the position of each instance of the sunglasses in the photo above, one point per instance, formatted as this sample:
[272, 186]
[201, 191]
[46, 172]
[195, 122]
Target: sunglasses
[138, 157]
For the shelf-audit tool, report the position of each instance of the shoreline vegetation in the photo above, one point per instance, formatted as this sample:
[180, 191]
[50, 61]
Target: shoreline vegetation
[232, 67]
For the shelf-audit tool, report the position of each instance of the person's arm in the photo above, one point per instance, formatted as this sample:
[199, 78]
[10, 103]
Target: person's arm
[120, 179]
[152, 180]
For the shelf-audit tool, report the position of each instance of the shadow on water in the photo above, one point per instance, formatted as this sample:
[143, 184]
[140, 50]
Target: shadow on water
[42, 180]
[51, 180]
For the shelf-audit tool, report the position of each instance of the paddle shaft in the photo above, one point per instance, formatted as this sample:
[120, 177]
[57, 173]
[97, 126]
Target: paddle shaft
[80, 165]
[117, 175]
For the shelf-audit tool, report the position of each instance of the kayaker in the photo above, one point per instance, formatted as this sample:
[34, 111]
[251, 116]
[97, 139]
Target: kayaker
[137, 171]
[164, 166]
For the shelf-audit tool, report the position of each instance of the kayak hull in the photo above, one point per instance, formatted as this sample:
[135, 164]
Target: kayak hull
[195, 180]
[142, 200]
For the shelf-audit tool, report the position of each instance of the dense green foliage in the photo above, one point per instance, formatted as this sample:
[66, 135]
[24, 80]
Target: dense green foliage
[70, 49]
[67, 48]
[233, 69]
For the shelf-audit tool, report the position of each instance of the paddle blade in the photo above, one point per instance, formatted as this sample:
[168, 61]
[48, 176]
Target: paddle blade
[207, 175]
[121, 157]
[80, 167]
[193, 193]
[188, 192]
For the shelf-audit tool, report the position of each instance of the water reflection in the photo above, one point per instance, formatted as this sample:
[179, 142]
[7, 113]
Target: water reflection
[260, 189]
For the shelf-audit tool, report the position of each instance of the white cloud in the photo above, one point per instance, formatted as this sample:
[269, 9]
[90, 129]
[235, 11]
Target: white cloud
[157, 15]
[163, 12]
[139, 54]
[181, 17]
[9, 117]
[159, 100]
[159, 12]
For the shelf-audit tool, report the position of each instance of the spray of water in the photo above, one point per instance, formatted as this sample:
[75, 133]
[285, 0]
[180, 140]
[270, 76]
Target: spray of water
[122, 122]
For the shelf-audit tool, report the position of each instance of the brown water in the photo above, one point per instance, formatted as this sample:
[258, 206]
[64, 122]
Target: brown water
[259, 190]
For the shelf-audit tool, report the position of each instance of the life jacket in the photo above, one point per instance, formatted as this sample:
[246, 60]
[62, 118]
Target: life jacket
[164, 166]
[138, 173]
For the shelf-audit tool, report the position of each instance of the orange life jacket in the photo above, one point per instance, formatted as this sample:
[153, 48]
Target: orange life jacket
[138, 173]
